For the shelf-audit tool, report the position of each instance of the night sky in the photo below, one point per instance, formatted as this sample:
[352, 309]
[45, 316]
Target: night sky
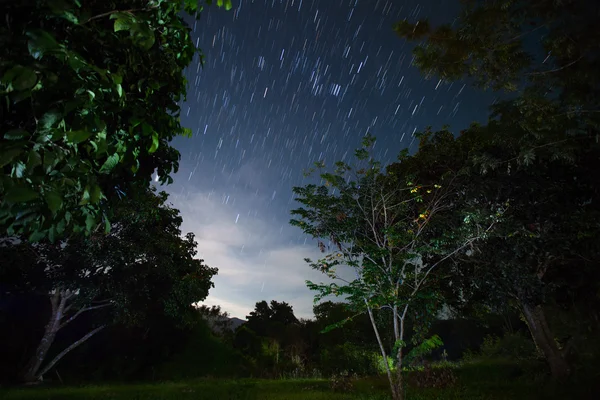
[287, 83]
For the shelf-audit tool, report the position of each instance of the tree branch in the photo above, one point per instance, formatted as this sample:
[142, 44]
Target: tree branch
[81, 311]
[67, 350]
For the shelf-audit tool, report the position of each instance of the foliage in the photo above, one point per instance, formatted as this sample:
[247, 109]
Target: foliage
[511, 346]
[349, 357]
[539, 151]
[90, 97]
[342, 382]
[433, 377]
[392, 230]
[142, 269]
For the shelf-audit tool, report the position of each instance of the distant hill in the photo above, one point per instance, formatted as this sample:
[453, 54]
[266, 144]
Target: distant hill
[236, 322]
[220, 324]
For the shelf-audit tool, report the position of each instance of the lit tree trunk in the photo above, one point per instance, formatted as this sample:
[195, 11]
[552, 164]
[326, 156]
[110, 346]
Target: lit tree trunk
[30, 373]
[544, 340]
[382, 349]
[33, 372]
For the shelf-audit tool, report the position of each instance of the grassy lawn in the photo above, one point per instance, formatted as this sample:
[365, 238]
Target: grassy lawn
[480, 381]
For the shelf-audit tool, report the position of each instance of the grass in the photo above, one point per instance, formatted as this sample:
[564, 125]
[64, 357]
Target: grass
[476, 381]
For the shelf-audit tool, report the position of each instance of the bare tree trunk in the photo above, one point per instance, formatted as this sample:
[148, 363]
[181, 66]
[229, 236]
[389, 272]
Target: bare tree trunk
[399, 395]
[30, 373]
[544, 340]
[58, 301]
[383, 352]
[68, 349]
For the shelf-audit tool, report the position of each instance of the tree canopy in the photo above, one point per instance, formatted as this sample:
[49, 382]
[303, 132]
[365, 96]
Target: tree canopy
[90, 101]
[143, 268]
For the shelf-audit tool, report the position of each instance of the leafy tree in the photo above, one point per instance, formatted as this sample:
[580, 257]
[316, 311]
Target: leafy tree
[386, 227]
[217, 320]
[90, 95]
[141, 269]
[267, 317]
[539, 151]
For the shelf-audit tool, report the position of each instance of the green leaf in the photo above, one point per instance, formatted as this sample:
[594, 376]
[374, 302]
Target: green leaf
[54, 201]
[49, 119]
[228, 5]
[123, 21]
[41, 42]
[90, 222]
[16, 134]
[154, 146]
[20, 194]
[119, 90]
[78, 136]
[33, 160]
[106, 225]
[95, 194]
[85, 197]
[109, 164]
[25, 79]
[36, 236]
[117, 79]
[8, 154]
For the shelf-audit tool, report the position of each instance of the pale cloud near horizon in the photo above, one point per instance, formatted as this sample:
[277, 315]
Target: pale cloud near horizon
[258, 257]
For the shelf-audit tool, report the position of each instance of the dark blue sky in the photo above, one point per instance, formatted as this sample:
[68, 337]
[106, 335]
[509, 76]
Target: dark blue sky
[287, 83]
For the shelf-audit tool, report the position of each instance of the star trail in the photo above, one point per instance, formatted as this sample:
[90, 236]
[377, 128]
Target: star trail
[286, 83]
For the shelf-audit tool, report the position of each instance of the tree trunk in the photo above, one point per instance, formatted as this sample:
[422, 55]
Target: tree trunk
[383, 352]
[30, 373]
[544, 340]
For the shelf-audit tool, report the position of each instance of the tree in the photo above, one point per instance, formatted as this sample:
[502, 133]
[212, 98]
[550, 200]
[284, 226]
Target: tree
[90, 101]
[217, 319]
[143, 268]
[539, 151]
[386, 227]
[269, 317]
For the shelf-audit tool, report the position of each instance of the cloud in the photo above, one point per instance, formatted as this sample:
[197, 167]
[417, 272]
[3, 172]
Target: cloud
[256, 258]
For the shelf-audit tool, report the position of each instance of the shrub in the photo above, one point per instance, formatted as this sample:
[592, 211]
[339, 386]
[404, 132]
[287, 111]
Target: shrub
[342, 382]
[512, 345]
[429, 377]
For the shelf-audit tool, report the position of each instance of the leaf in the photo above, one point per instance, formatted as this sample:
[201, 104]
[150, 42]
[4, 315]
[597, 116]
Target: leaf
[9, 154]
[85, 198]
[90, 222]
[20, 194]
[16, 134]
[117, 79]
[109, 164]
[107, 225]
[95, 194]
[33, 160]
[78, 136]
[49, 119]
[41, 42]
[123, 21]
[119, 90]
[25, 79]
[228, 5]
[36, 236]
[154, 146]
[54, 200]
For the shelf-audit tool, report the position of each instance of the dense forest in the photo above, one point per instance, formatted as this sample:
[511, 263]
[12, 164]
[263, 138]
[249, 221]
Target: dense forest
[468, 268]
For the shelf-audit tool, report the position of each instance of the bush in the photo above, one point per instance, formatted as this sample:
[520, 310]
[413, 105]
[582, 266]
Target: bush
[342, 382]
[349, 357]
[430, 377]
[513, 346]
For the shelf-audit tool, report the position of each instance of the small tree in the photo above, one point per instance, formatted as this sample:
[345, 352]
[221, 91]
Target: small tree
[386, 229]
[141, 269]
